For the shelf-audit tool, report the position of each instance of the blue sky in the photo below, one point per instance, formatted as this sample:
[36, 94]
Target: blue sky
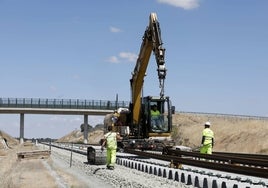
[216, 55]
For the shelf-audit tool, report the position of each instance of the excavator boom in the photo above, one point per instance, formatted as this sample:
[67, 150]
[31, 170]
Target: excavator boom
[151, 42]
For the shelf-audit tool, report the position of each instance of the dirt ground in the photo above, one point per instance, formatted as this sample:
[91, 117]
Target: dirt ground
[32, 172]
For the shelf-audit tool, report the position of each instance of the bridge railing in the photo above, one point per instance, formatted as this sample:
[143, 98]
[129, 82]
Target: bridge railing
[61, 103]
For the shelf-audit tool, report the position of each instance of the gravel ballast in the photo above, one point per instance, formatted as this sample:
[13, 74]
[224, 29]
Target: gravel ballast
[99, 176]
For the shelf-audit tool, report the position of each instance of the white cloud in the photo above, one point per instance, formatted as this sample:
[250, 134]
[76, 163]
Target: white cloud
[115, 29]
[131, 57]
[123, 57]
[113, 59]
[185, 4]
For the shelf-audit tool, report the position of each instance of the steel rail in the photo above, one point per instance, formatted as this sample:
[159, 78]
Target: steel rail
[246, 155]
[178, 160]
[229, 159]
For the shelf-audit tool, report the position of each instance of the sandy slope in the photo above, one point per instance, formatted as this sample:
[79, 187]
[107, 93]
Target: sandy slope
[231, 134]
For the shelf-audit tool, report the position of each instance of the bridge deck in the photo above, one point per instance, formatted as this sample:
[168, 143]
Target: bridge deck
[59, 106]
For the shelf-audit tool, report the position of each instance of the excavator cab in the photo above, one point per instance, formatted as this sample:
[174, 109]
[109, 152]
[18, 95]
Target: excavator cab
[157, 117]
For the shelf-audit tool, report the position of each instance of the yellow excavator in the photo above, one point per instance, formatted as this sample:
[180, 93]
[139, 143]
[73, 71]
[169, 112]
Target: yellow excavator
[147, 123]
[138, 125]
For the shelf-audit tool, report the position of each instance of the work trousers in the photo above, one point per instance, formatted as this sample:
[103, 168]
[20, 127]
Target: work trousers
[206, 149]
[111, 157]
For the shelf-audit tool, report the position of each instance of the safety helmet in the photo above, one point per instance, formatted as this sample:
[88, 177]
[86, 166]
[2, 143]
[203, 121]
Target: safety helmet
[207, 123]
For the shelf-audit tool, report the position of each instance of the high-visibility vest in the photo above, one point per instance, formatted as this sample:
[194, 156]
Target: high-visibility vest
[111, 142]
[155, 113]
[209, 135]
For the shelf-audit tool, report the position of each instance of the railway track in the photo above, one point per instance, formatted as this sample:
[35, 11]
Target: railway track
[193, 168]
[239, 163]
[247, 164]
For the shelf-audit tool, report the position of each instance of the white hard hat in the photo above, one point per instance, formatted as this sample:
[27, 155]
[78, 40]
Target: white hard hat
[207, 123]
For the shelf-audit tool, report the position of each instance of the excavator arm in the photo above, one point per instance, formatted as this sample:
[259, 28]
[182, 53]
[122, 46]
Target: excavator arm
[151, 42]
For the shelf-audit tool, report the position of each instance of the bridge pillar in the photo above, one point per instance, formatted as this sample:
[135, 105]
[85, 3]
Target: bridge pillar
[85, 129]
[21, 128]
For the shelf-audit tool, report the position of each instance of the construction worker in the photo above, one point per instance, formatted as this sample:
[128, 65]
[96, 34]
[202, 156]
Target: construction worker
[207, 139]
[155, 118]
[115, 118]
[111, 144]
[154, 111]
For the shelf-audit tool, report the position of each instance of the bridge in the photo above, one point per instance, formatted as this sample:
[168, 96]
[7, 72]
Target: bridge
[58, 106]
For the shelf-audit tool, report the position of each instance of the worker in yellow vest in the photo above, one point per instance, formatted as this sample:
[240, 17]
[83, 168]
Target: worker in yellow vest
[155, 118]
[111, 146]
[207, 139]
[155, 111]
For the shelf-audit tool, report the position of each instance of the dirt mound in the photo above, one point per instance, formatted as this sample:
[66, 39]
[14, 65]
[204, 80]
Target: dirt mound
[78, 137]
[10, 141]
[6, 142]
[232, 134]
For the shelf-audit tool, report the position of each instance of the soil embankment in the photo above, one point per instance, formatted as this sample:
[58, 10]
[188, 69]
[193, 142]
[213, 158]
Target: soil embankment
[232, 134]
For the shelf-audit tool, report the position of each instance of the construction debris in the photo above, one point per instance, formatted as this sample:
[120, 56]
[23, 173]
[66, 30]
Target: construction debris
[37, 154]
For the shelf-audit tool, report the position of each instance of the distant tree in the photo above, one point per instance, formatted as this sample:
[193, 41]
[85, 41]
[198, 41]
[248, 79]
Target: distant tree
[89, 127]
